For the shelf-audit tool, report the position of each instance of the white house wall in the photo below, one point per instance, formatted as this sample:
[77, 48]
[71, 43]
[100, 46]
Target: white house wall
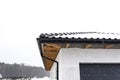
[69, 59]
[53, 72]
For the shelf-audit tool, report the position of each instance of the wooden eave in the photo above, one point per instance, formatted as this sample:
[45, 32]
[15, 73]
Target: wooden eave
[50, 47]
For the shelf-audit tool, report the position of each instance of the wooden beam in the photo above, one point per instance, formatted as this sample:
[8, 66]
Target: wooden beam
[42, 48]
[107, 46]
[48, 64]
[48, 67]
[49, 55]
[67, 45]
[50, 48]
[88, 45]
[51, 51]
[53, 45]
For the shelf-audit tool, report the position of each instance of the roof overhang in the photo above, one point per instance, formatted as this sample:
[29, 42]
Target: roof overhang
[50, 47]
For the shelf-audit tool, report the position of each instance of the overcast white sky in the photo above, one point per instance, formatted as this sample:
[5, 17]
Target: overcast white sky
[21, 22]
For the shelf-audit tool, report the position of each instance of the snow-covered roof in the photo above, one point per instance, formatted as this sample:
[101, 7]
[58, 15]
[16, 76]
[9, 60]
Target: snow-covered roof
[87, 35]
[50, 44]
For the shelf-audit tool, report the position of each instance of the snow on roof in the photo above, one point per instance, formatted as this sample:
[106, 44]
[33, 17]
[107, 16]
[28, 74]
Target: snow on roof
[50, 44]
[87, 35]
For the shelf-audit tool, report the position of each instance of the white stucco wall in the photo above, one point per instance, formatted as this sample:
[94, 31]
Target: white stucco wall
[53, 72]
[69, 59]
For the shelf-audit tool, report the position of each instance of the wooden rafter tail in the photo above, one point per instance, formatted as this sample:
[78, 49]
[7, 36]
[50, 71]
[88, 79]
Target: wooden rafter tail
[67, 45]
[50, 48]
[107, 46]
[51, 51]
[54, 45]
[88, 45]
[50, 55]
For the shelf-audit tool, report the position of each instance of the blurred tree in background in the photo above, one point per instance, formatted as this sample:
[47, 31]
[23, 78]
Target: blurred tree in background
[20, 70]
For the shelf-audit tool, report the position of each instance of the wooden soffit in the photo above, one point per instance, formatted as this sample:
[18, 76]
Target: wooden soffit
[51, 50]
